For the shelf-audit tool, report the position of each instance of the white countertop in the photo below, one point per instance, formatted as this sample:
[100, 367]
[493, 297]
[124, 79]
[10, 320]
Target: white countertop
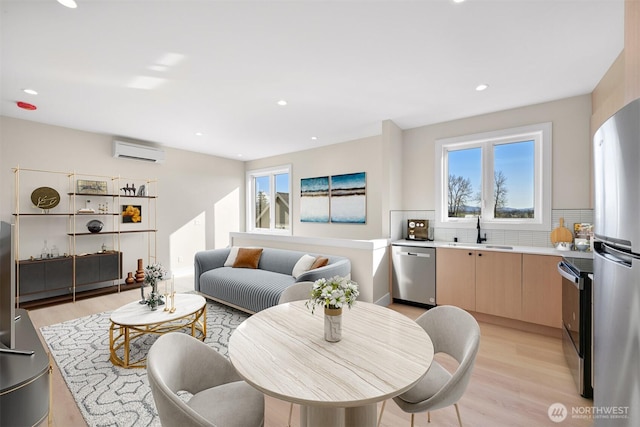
[535, 250]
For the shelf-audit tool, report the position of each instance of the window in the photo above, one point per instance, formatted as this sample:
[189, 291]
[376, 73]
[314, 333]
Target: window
[268, 201]
[504, 177]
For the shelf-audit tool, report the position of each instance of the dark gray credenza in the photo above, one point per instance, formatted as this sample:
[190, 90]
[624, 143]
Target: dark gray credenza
[25, 380]
[51, 277]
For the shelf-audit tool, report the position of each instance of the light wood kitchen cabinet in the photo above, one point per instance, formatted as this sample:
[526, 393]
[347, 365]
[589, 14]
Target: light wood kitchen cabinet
[456, 278]
[483, 281]
[541, 290]
[499, 283]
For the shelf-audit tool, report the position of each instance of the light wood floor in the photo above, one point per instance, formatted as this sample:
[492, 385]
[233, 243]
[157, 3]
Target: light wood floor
[516, 377]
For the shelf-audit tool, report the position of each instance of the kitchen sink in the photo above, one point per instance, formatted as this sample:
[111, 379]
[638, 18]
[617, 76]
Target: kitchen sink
[479, 246]
[465, 245]
[506, 248]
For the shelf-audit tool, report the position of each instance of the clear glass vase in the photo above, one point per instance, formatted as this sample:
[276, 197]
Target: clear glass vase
[154, 301]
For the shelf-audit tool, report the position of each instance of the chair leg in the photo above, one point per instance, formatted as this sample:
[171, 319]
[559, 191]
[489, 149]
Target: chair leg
[290, 414]
[428, 416]
[458, 414]
[381, 411]
[412, 417]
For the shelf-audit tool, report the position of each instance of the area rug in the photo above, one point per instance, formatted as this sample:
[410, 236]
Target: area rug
[108, 395]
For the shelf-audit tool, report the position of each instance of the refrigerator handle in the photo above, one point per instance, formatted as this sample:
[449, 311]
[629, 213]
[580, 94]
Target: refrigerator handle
[614, 255]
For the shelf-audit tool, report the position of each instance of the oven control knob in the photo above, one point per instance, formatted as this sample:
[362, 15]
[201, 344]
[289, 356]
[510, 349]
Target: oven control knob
[412, 224]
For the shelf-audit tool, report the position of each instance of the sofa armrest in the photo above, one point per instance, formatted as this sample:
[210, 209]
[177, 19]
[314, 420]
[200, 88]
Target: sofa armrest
[340, 268]
[208, 260]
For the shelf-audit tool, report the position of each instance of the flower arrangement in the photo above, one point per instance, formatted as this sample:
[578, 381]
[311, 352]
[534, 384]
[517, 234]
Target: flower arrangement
[335, 292]
[154, 273]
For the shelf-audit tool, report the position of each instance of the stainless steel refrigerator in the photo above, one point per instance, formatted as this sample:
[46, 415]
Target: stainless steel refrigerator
[616, 284]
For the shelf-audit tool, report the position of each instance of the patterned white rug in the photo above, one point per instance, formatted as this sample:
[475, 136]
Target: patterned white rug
[108, 395]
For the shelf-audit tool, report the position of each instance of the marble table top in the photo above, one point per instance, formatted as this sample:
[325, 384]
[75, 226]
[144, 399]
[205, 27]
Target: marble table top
[281, 351]
[136, 314]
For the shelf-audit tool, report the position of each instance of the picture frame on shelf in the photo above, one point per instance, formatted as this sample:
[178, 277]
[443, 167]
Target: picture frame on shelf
[131, 214]
[85, 186]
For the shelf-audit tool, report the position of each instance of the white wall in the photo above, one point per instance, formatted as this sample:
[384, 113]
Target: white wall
[362, 155]
[572, 164]
[201, 197]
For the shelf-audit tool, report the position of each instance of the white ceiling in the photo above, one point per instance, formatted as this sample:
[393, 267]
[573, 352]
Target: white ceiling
[342, 66]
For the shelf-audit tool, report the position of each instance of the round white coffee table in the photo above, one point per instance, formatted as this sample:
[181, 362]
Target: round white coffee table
[134, 320]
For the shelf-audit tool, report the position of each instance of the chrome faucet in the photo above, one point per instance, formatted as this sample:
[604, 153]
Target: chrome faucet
[480, 239]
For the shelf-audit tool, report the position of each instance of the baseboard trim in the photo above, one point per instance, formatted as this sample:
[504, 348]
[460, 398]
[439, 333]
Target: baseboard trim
[518, 324]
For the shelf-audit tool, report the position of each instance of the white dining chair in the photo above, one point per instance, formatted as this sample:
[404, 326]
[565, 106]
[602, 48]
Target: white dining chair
[296, 292]
[177, 362]
[455, 332]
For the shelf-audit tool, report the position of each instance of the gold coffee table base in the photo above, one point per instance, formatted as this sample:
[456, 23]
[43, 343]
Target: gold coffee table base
[122, 331]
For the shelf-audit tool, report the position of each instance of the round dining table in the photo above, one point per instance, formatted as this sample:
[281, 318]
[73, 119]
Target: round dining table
[281, 351]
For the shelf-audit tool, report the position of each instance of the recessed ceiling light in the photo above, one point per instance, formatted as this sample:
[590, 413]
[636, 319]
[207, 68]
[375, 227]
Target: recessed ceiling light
[314, 138]
[146, 82]
[282, 103]
[482, 87]
[30, 91]
[458, 1]
[199, 134]
[158, 67]
[71, 4]
[239, 155]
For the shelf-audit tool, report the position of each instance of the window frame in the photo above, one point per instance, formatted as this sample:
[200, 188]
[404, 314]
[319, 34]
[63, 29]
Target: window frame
[250, 179]
[541, 134]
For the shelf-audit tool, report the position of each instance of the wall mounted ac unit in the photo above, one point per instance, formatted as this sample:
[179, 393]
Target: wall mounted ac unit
[128, 150]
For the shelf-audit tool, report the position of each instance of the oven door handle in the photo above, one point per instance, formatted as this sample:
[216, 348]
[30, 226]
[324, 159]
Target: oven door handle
[570, 276]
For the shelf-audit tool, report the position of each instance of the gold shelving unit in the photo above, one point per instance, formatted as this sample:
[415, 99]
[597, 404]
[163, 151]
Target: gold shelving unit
[112, 199]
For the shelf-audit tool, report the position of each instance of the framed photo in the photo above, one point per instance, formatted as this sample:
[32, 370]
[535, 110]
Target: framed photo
[349, 198]
[314, 199]
[84, 186]
[131, 214]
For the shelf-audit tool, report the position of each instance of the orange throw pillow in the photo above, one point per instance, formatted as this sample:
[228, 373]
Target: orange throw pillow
[319, 262]
[247, 258]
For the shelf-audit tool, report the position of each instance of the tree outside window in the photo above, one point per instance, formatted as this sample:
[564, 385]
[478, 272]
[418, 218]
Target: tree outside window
[512, 162]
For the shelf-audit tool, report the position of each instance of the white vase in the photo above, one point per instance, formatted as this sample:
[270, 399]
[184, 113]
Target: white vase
[333, 324]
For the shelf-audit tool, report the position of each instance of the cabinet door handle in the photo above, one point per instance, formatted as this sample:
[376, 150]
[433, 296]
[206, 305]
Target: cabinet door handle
[470, 253]
[479, 254]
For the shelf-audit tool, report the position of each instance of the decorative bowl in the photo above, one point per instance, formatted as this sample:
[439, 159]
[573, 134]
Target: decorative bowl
[582, 247]
[564, 246]
[95, 226]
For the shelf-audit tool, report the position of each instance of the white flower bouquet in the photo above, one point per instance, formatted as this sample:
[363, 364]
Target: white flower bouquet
[154, 273]
[333, 293]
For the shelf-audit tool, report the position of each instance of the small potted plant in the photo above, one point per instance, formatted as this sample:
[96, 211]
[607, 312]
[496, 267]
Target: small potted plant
[333, 294]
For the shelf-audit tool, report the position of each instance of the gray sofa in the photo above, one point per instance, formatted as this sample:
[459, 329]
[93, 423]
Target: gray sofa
[251, 289]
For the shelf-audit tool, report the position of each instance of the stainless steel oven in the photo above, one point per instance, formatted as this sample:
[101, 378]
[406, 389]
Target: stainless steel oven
[577, 327]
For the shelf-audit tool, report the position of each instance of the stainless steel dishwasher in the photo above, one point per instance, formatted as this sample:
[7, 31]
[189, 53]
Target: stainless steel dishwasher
[414, 275]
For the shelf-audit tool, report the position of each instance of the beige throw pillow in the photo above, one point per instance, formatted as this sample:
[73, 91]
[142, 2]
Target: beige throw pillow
[303, 264]
[231, 258]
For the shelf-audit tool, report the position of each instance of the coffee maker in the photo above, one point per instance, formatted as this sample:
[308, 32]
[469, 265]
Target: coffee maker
[418, 229]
